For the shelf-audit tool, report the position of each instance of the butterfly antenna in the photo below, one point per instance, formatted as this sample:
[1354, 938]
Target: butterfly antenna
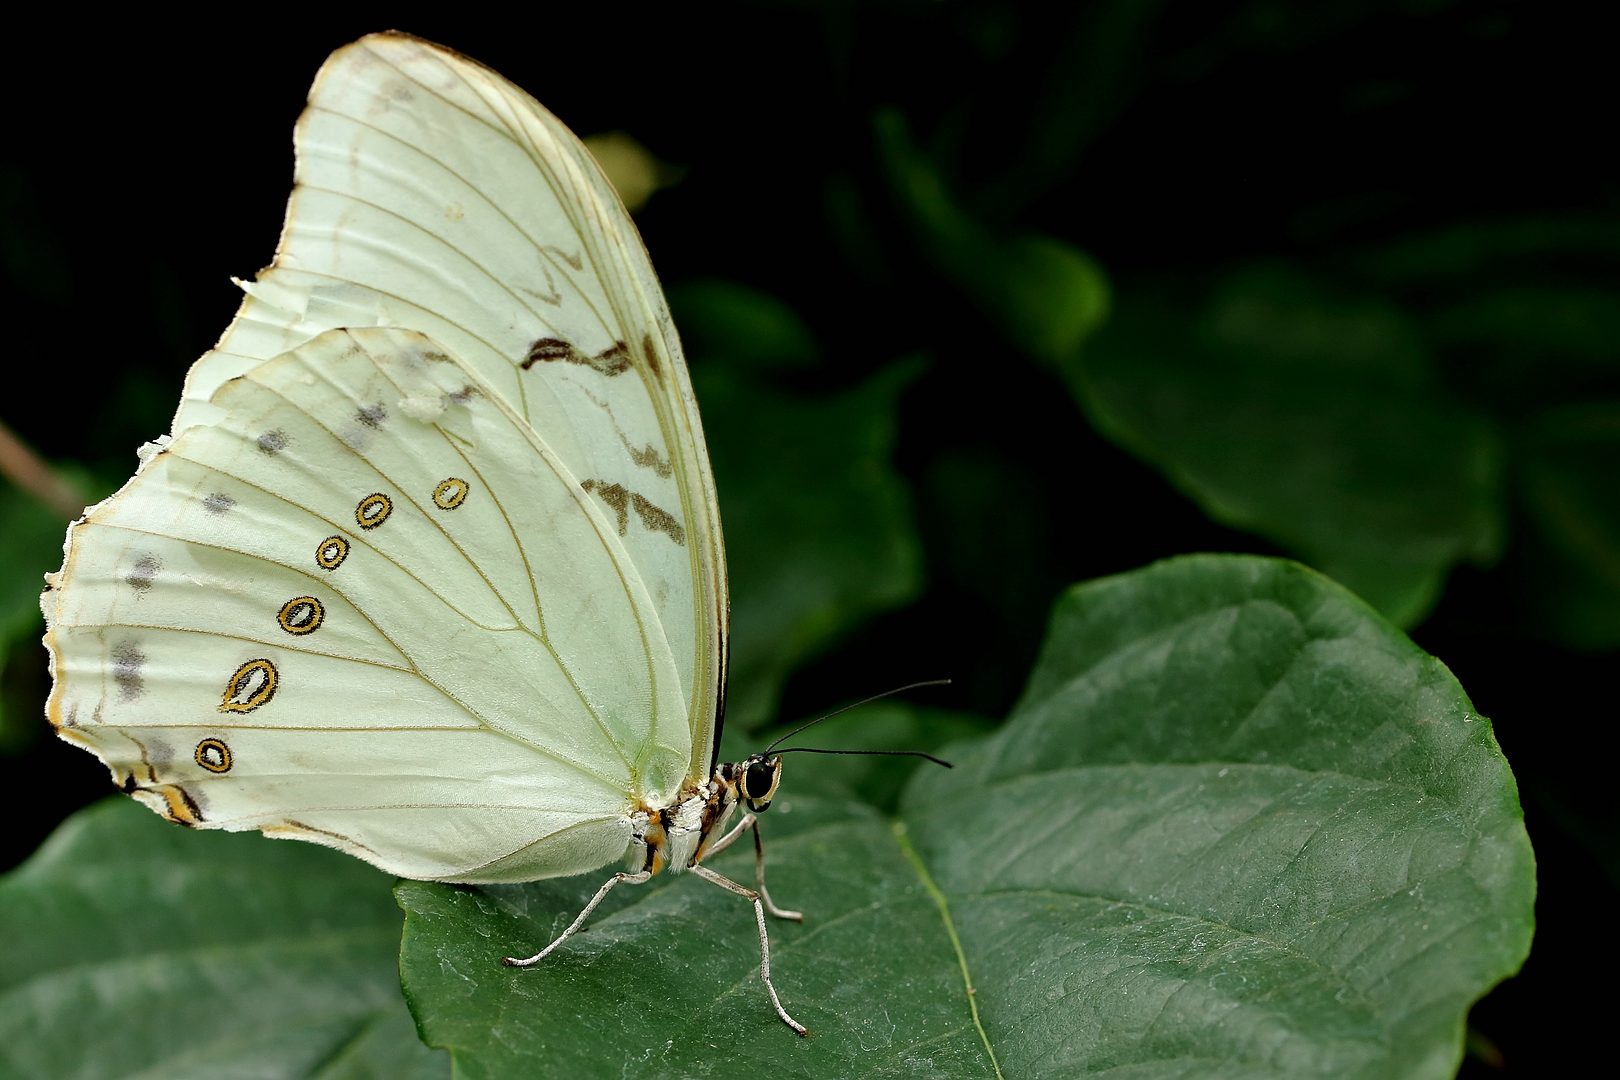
[855, 705]
[889, 753]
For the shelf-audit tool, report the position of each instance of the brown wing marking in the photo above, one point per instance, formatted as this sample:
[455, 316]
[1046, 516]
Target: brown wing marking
[621, 500]
[614, 360]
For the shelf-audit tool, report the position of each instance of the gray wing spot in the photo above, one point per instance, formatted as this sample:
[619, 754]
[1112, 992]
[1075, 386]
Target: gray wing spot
[143, 573]
[127, 660]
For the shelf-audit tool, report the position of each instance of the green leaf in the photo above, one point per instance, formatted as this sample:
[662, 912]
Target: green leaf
[818, 526]
[1238, 826]
[1473, 251]
[1524, 324]
[134, 948]
[1047, 295]
[1525, 313]
[1097, 67]
[987, 521]
[665, 980]
[31, 536]
[741, 327]
[30, 546]
[1568, 472]
[1310, 418]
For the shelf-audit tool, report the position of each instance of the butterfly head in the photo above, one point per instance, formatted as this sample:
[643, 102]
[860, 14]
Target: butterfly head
[757, 781]
[756, 777]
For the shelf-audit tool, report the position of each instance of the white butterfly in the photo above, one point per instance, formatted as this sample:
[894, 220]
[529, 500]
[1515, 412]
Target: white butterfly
[429, 568]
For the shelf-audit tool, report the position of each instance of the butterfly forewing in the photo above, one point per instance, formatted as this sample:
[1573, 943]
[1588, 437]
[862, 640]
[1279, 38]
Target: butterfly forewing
[434, 195]
[369, 607]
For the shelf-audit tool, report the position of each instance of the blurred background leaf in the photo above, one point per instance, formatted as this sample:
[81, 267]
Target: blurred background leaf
[31, 536]
[740, 327]
[817, 523]
[1312, 418]
[1569, 474]
[632, 169]
[1047, 295]
[30, 545]
[136, 948]
[1523, 315]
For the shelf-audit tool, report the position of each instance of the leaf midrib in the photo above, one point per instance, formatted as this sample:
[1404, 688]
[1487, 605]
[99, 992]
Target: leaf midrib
[1333, 977]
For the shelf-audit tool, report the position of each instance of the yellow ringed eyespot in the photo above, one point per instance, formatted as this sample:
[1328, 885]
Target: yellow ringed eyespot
[253, 684]
[301, 615]
[373, 510]
[332, 552]
[450, 493]
[213, 755]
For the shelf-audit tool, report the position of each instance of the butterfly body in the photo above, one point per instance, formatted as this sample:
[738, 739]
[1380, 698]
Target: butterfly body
[677, 837]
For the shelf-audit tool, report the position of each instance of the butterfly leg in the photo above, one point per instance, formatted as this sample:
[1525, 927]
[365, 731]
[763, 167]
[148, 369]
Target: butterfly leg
[764, 940]
[750, 821]
[759, 878]
[730, 838]
[758, 863]
[573, 928]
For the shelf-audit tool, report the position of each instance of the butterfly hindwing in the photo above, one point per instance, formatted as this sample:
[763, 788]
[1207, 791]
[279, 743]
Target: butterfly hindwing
[369, 607]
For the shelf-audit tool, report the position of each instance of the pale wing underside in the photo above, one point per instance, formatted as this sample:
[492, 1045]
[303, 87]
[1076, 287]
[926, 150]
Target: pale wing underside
[434, 195]
[368, 606]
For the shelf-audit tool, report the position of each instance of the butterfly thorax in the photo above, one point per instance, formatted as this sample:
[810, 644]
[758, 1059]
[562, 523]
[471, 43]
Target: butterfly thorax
[677, 837]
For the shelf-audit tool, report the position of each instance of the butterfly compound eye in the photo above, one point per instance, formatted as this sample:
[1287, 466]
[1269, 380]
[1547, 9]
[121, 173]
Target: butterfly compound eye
[759, 783]
[757, 780]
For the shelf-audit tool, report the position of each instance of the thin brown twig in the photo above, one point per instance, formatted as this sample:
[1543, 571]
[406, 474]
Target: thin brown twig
[22, 465]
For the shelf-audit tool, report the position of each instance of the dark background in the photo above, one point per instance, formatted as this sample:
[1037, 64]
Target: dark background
[149, 160]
